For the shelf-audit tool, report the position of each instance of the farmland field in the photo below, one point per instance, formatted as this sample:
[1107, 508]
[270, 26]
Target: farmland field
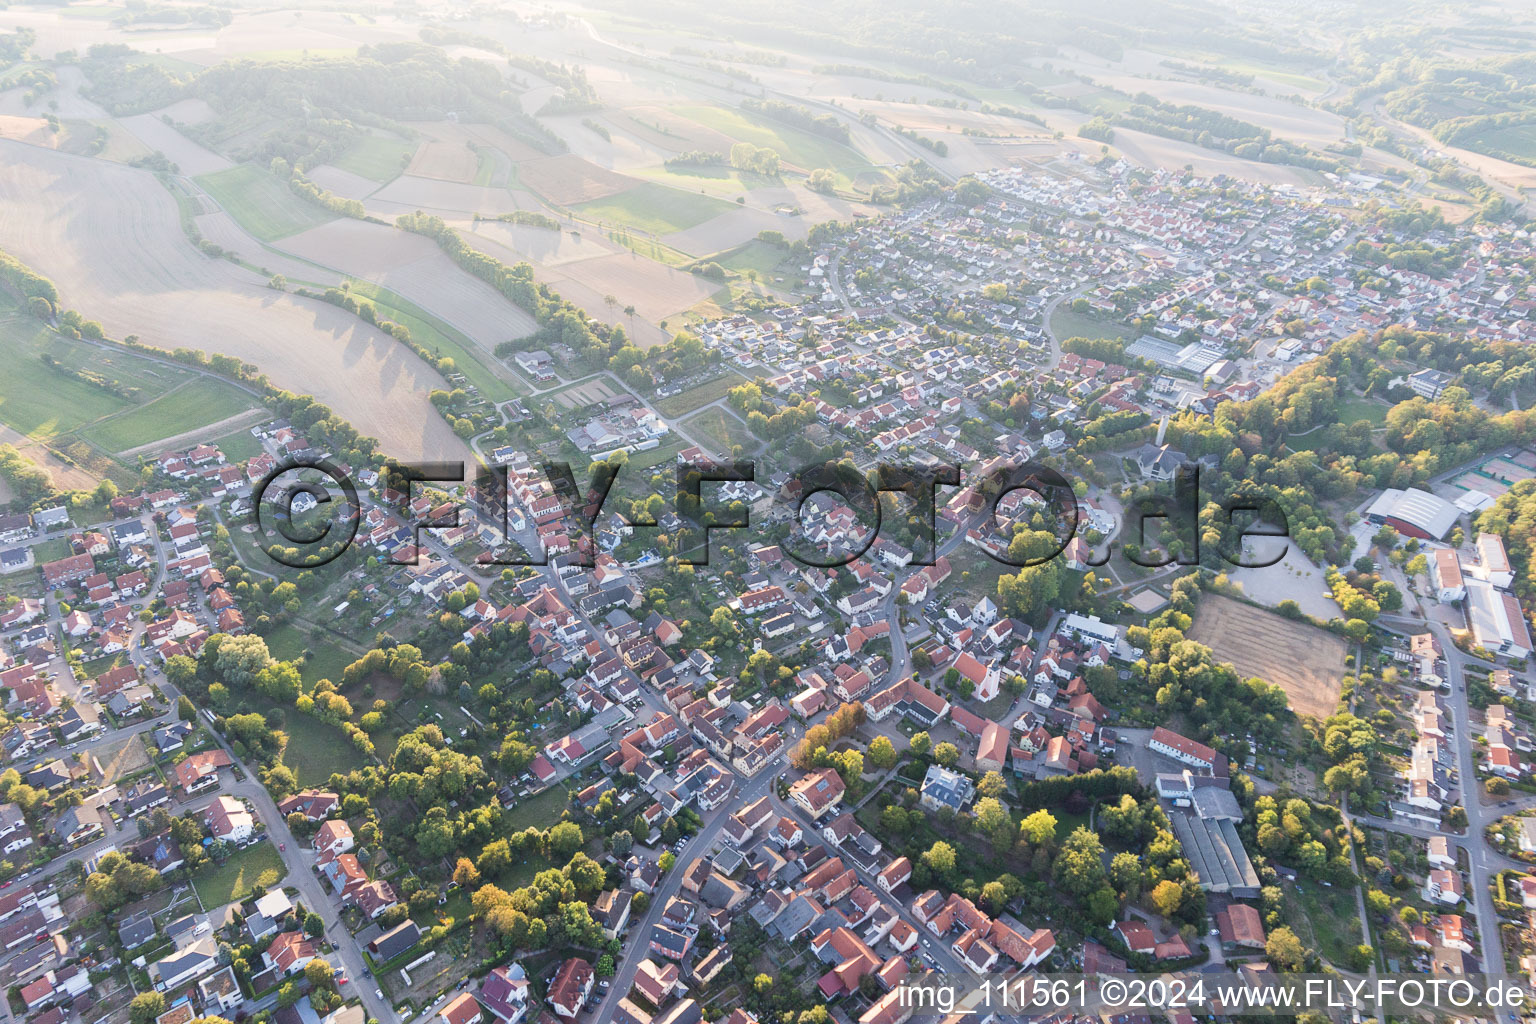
[798, 149]
[36, 399]
[163, 290]
[441, 339]
[444, 306]
[261, 204]
[218, 884]
[1304, 661]
[654, 208]
[197, 404]
[378, 158]
[567, 180]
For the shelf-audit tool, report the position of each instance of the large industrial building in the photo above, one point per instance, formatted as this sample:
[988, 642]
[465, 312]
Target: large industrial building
[1413, 513]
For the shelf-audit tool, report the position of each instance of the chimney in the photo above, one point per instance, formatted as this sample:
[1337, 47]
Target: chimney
[1162, 429]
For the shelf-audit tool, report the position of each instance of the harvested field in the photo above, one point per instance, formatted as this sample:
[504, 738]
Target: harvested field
[508, 145]
[443, 161]
[66, 476]
[415, 268]
[623, 150]
[343, 182]
[62, 212]
[541, 246]
[444, 198]
[190, 158]
[1303, 660]
[567, 180]
[1155, 151]
[121, 147]
[735, 226]
[193, 111]
[656, 291]
[34, 131]
[220, 229]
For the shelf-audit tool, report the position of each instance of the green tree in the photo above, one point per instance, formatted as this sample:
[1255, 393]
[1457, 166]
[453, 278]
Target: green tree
[946, 754]
[1285, 950]
[940, 858]
[882, 753]
[145, 1007]
[1167, 896]
[920, 743]
[1039, 827]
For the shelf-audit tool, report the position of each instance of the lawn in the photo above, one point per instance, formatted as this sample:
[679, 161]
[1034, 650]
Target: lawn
[202, 402]
[685, 402]
[436, 336]
[795, 147]
[654, 208]
[723, 429]
[233, 880]
[378, 158]
[541, 810]
[326, 661]
[261, 204]
[1067, 324]
[1353, 408]
[317, 751]
[238, 446]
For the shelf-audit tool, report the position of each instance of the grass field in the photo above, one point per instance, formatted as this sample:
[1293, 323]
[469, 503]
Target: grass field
[261, 204]
[685, 402]
[196, 404]
[720, 427]
[326, 661]
[1304, 661]
[753, 255]
[1326, 920]
[233, 880]
[238, 446]
[795, 147]
[1353, 408]
[1067, 324]
[378, 158]
[654, 208]
[716, 179]
[37, 399]
[317, 751]
[436, 336]
[1517, 140]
